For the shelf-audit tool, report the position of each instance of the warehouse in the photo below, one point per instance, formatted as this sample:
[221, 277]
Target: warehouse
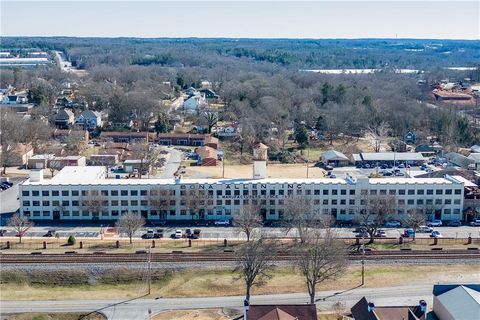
[70, 195]
[389, 158]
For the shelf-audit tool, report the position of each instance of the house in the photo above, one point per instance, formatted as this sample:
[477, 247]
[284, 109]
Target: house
[14, 99]
[106, 160]
[456, 301]
[281, 312]
[64, 118]
[191, 91]
[428, 150]
[20, 155]
[364, 310]
[193, 103]
[127, 136]
[228, 131]
[187, 139]
[410, 137]
[68, 161]
[209, 94]
[207, 156]
[39, 161]
[65, 102]
[64, 135]
[18, 108]
[89, 119]
[334, 158]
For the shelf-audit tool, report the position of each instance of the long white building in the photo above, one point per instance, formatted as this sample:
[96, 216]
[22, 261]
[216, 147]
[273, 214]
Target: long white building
[77, 193]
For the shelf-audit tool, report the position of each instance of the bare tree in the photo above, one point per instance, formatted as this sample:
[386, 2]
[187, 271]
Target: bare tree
[254, 259]
[93, 202]
[20, 224]
[194, 200]
[130, 223]
[323, 257]
[300, 216]
[248, 218]
[378, 135]
[160, 200]
[414, 219]
[211, 119]
[375, 211]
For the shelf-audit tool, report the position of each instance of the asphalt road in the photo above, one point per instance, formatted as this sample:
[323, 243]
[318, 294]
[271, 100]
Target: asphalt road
[138, 309]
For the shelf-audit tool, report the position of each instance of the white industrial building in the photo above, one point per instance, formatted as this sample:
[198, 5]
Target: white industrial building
[70, 195]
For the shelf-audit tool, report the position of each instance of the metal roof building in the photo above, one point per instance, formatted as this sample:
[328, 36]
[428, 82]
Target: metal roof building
[456, 302]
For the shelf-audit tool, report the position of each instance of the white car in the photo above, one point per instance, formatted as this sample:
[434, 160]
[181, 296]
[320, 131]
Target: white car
[178, 234]
[436, 234]
[475, 223]
[222, 222]
[435, 223]
[425, 229]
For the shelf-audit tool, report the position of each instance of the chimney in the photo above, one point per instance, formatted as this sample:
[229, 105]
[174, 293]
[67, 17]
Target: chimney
[423, 306]
[36, 175]
[246, 307]
[371, 307]
[260, 157]
[178, 178]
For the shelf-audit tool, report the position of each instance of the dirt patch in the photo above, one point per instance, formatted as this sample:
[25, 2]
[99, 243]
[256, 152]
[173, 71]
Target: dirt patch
[55, 316]
[202, 314]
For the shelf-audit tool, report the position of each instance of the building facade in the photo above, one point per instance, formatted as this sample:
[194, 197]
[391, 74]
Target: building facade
[77, 193]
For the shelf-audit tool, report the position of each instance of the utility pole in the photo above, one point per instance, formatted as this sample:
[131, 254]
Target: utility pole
[363, 259]
[149, 275]
[308, 159]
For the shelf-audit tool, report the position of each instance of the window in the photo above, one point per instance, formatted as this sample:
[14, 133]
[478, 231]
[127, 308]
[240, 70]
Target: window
[143, 192]
[448, 191]
[26, 193]
[411, 202]
[65, 193]
[245, 201]
[219, 192]
[411, 192]
[236, 192]
[289, 192]
[45, 193]
[325, 202]
[272, 202]
[134, 203]
[439, 191]
[316, 192]
[26, 203]
[420, 201]
[210, 192]
[183, 212]
[429, 191]
[104, 193]
[219, 202]
[115, 213]
[124, 203]
[456, 211]
[228, 202]
[429, 202]
[55, 193]
[401, 201]
[272, 192]
[114, 202]
[334, 192]
[351, 202]
[144, 203]
[458, 191]
[392, 192]
[245, 192]
[352, 192]
[383, 192]
[325, 192]
[229, 192]
[271, 212]
[447, 211]
[55, 203]
[65, 203]
[316, 201]
[448, 201]
[84, 193]
[343, 192]
[114, 193]
[456, 201]
[401, 192]
[299, 192]
[35, 193]
[75, 193]
[420, 192]
[373, 192]
[343, 202]
[46, 213]
[263, 192]
[36, 213]
[124, 193]
[334, 202]
[236, 202]
[77, 213]
[134, 192]
[438, 201]
[308, 192]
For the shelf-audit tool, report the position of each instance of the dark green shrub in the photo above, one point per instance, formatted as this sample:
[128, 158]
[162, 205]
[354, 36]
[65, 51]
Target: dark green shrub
[71, 240]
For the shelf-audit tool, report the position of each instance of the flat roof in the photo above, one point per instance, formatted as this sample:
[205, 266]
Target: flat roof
[389, 156]
[95, 175]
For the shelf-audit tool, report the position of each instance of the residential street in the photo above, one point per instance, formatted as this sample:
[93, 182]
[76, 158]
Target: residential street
[138, 309]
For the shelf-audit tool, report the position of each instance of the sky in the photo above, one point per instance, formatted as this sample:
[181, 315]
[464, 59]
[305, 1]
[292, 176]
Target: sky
[243, 19]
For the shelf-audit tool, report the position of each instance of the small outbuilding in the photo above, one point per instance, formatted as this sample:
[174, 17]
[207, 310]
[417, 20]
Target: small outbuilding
[334, 158]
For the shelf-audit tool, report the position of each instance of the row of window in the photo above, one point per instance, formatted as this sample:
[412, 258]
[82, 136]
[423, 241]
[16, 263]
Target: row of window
[219, 202]
[281, 192]
[164, 213]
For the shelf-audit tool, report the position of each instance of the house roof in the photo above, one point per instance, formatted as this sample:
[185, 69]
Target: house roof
[459, 159]
[475, 148]
[461, 302]
[260, 146]
[90, 114]
[360, 311]
[207, 152]
[333, 155]
[475, 157]
[283, 312]
[469, 175]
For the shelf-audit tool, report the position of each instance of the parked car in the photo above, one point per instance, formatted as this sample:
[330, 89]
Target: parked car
[223, 222]
[362, 235]
[195, 234]
[436, 234]
[149, 234]
[409, 233]
[435, 223]
[475, 223]
[158, 234]
[454, 223]
[360, 229]
[424, 229]
[393, 224]
[50, 233]
[380, 233]
[178, 234]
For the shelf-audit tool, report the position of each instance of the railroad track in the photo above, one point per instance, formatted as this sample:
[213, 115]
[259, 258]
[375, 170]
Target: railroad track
[219, 257]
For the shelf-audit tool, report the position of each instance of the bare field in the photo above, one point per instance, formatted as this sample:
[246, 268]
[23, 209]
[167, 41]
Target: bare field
[224, 282]
[55, 316]
[296, 170]
[201, 314]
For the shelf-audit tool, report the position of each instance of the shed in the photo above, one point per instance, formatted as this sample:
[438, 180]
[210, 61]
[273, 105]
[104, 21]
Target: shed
[208, 156]
[335, 158]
